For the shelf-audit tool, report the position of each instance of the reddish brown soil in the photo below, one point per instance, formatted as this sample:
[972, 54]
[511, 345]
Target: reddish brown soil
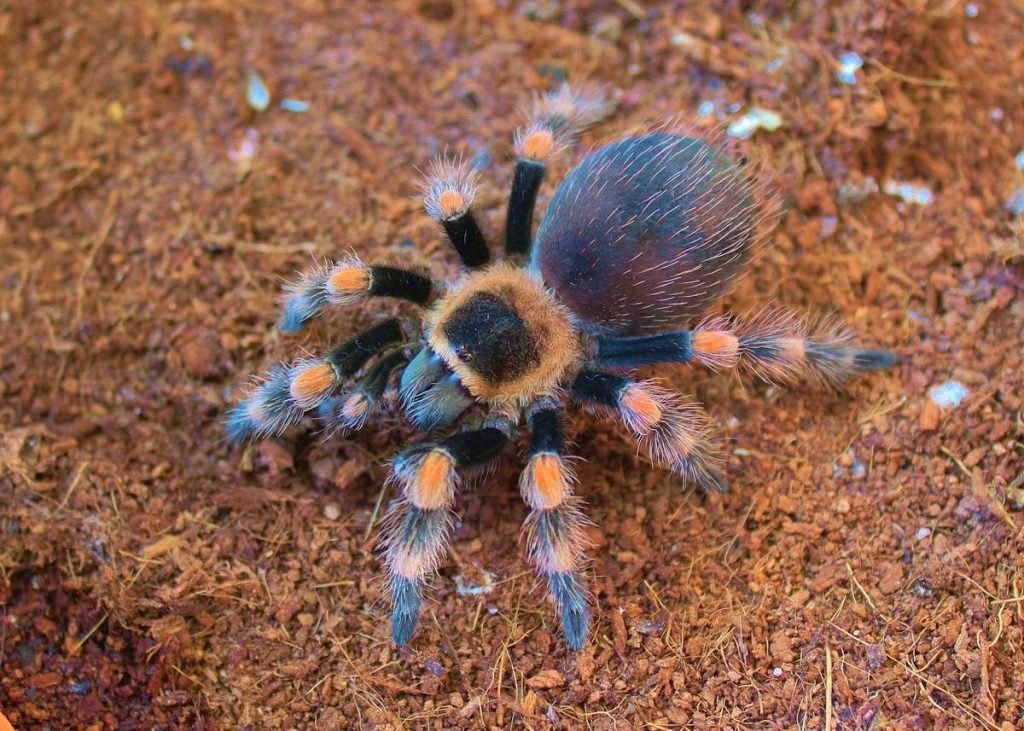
[864, 572]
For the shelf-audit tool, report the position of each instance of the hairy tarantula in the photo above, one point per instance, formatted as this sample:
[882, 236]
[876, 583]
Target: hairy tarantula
[639, 241]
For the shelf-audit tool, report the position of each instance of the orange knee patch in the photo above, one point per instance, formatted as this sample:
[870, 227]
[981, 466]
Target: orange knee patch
[355, 407]
[643, 406]
[549, 481]
[312, 383]
[432, 487]
[716, 343]
[350, 279]
[538, 144]
[451, 203]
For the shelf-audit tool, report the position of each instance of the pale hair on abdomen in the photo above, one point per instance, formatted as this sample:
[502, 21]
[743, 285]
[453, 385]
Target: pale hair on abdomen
[647, 233]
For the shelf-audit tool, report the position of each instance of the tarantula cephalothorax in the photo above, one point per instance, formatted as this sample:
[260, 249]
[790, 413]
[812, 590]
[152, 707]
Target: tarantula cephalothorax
[637, 244]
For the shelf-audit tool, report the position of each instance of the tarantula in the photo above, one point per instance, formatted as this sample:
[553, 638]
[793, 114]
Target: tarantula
[641, 238]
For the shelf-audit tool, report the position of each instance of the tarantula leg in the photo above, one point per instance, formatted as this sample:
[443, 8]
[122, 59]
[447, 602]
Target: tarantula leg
[448, 198]
[289, 391]
[555, 119]
[346, 282]
[554, 528]
[776, 346]
[440, 405]
[715, 348]
[350, 412]
[423, 371]
[522, 200]
[432, 395]
[421, 521]
[674, 431]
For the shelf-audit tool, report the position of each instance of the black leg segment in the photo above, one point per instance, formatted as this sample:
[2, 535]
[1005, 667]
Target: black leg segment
[546, 430]
[629, 352]
[519, 222]
[388, 281]
[349, 357]
[599, 387]
[475, 447]
[468, 240]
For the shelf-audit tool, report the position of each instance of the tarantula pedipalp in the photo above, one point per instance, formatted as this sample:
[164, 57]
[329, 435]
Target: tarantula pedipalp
[639, 241]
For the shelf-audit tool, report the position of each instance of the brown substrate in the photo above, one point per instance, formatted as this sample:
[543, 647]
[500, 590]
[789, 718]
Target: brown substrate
[865, 571]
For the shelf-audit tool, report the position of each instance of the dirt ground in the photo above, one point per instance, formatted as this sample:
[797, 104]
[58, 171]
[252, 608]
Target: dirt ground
[865, 571]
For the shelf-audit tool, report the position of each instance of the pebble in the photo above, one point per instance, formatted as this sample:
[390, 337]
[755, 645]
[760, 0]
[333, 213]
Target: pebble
[892, 578]
[910, 192]
[849, 63]
[546, 679]
[757, 118]
[922, 588]
[256, 92]
[202, 355]
[929, 419]
[949, 394]
[298, 106]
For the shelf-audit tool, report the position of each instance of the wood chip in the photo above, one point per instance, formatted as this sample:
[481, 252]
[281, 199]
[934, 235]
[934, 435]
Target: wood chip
[546, 679]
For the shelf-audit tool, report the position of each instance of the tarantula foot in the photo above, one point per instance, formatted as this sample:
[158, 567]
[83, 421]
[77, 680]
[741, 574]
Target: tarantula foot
[570, 596]
[874, 360]
[239, 425]
[268, 410]
[407, 597]
[712, 481]
[305, 298]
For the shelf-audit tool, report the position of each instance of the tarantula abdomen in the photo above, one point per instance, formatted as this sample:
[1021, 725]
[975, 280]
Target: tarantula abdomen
[647, 232]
